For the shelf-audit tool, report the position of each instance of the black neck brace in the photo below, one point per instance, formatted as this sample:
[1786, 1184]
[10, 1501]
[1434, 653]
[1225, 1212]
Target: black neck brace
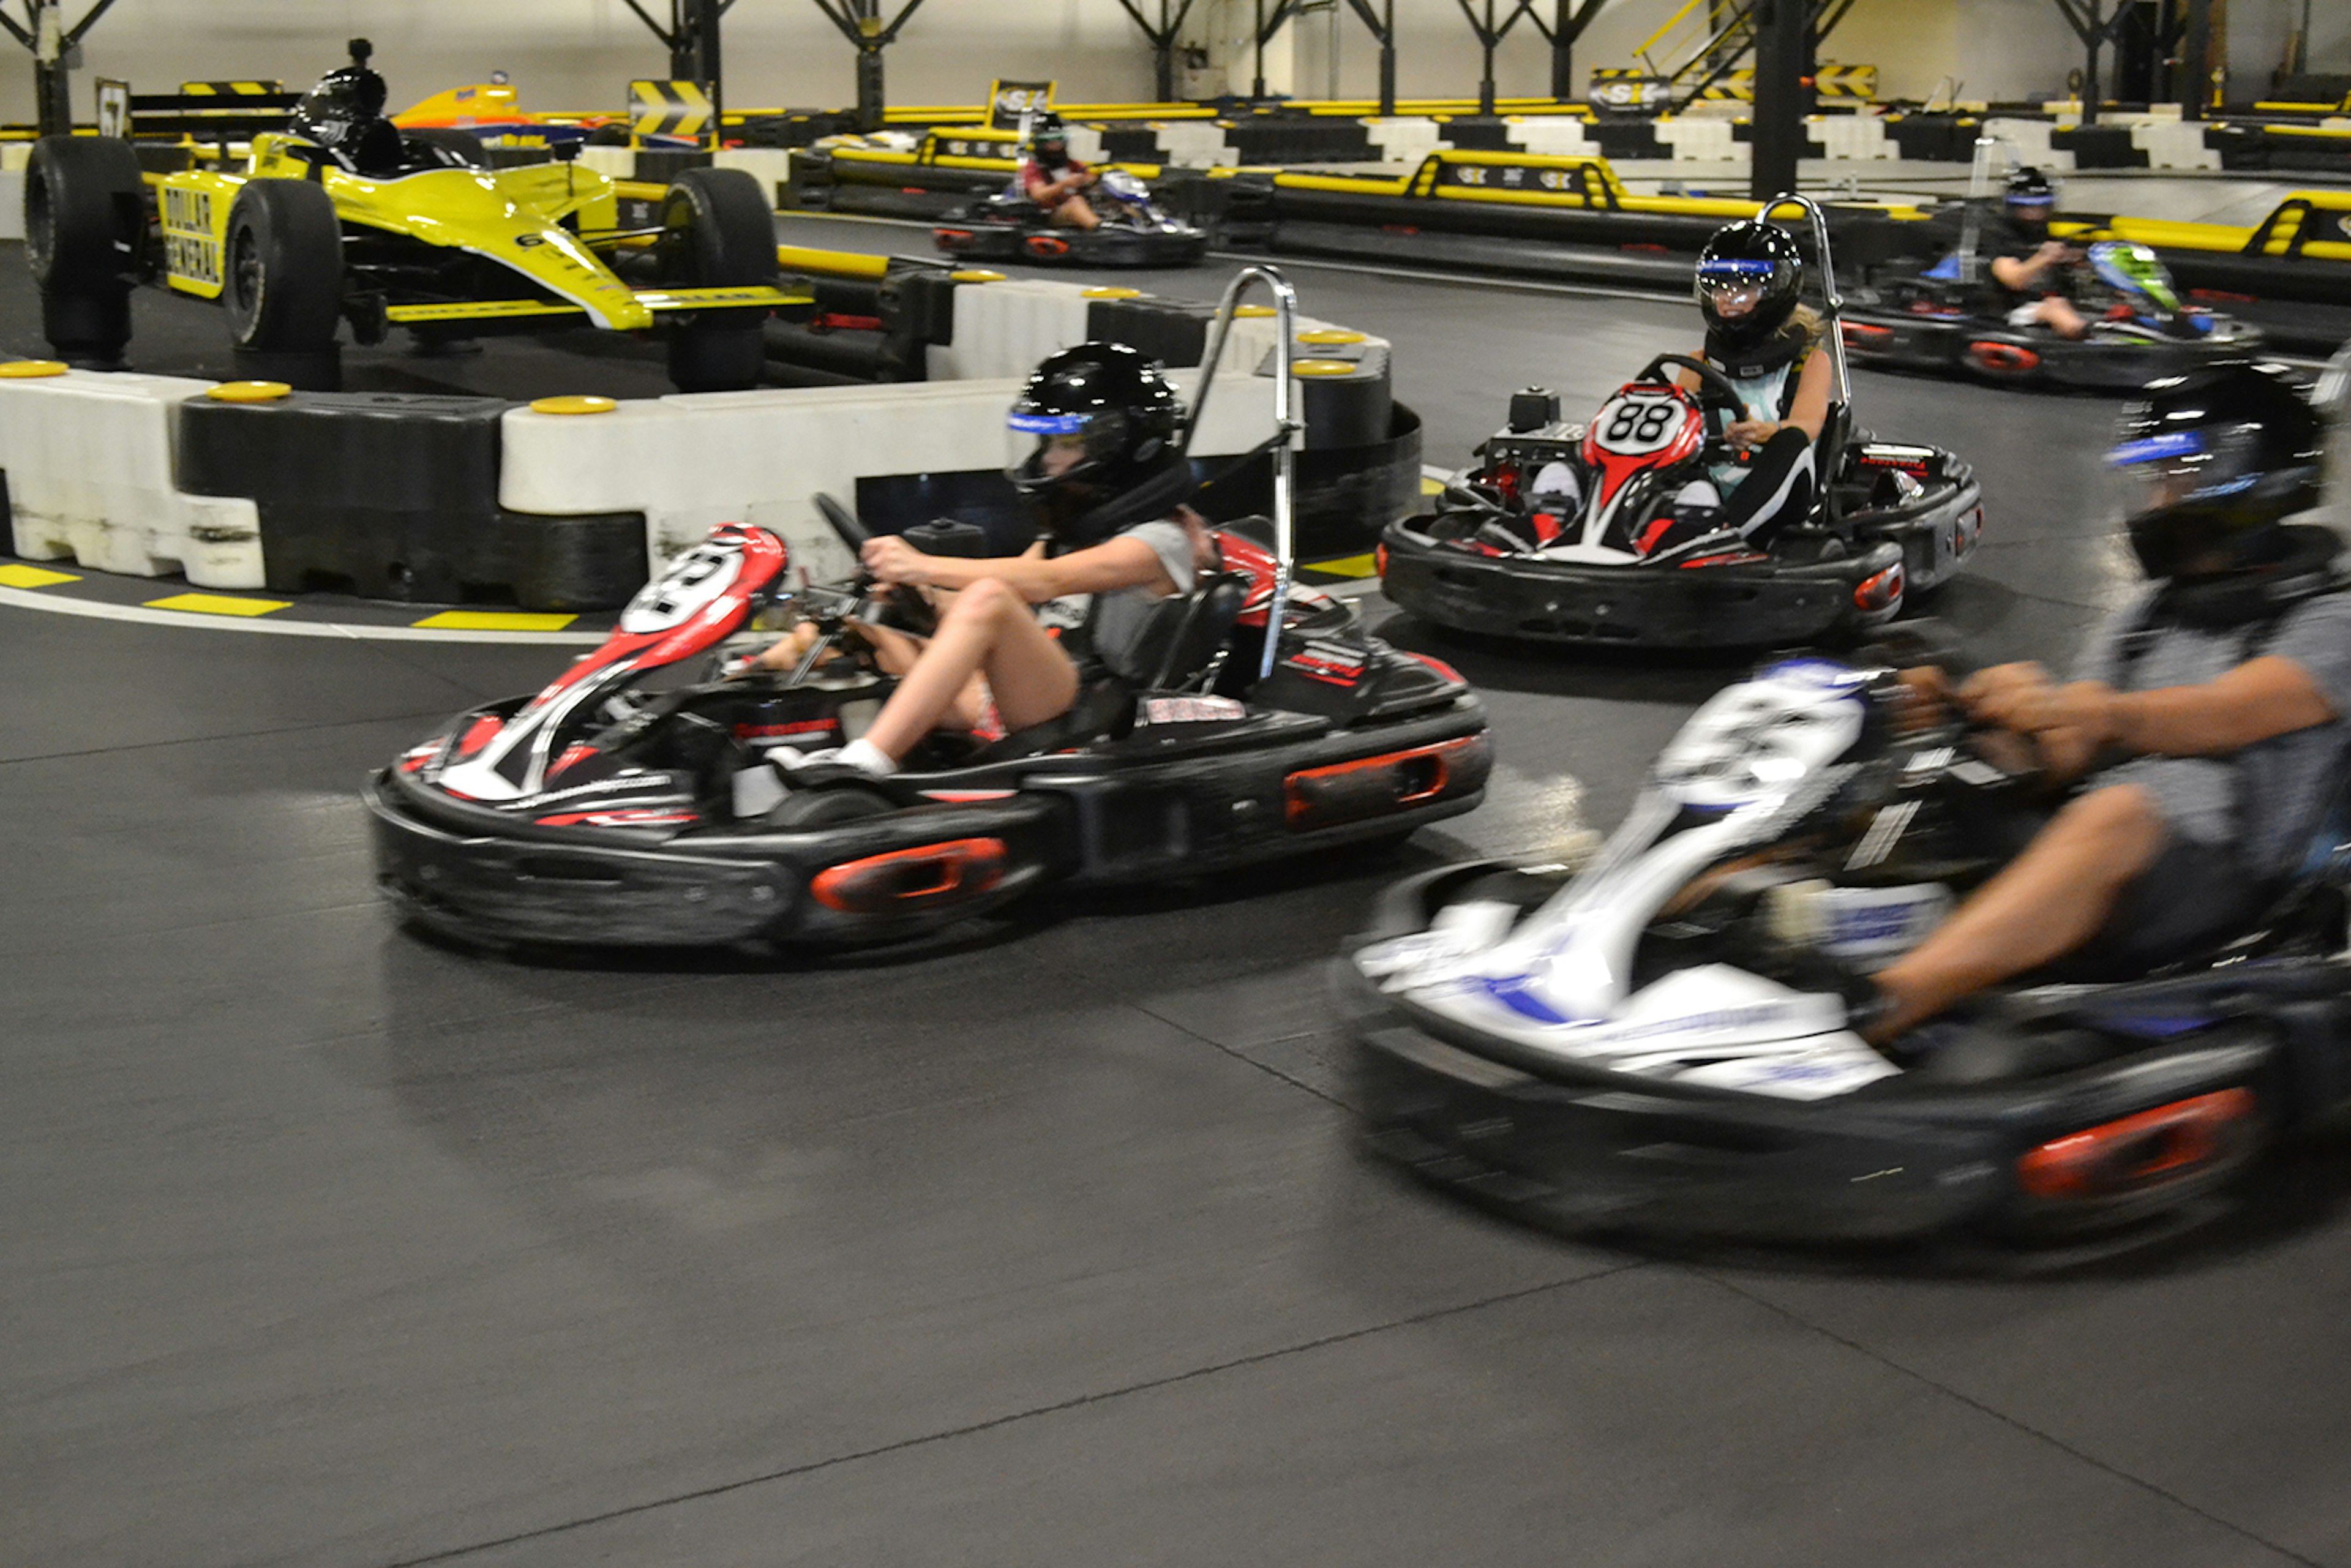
[1743, 362]
[2308, 566]
[1153, 499]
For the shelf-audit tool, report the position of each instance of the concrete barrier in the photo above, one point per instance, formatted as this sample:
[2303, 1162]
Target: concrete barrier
[90, 461]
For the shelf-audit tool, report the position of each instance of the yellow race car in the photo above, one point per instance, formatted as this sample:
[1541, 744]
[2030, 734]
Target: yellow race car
[345, 218]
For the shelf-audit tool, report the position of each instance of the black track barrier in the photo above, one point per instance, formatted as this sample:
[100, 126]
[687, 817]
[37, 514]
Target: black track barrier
[395, 495]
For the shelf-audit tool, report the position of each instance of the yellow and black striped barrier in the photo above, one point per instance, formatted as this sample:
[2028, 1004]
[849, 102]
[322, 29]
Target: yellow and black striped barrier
[230, 89]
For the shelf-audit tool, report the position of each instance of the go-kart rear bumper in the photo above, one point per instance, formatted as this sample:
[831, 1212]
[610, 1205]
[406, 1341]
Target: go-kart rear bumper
[1531, 598]
[1586, 1150]
[979, 239]
[483, 875]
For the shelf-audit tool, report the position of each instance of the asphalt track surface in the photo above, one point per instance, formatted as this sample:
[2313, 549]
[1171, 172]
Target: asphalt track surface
[326, 1244]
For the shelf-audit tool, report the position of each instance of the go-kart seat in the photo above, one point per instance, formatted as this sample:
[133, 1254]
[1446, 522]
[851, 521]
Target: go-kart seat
[1185, 631]
[1828, 457]
[1173, 651]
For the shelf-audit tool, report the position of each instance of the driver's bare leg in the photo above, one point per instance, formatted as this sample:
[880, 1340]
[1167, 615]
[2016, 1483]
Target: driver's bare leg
[1076, 213]
[2060, 318]
[2046, 903]
[987, 630]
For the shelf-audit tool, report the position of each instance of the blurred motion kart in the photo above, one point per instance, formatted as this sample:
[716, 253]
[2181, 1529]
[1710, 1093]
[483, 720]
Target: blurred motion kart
[1633, 1046]
[1134, 231]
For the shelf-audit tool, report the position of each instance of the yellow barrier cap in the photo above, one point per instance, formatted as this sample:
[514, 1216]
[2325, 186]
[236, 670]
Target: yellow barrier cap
[1331, 336]
[1253, 311]
[26, 370]
[1114, 291]
[1324, 368]
[976, 274]
[572, 405]
[249, 392]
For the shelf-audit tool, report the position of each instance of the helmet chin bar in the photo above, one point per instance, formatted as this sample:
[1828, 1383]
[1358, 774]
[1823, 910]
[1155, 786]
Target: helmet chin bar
[1285, 418]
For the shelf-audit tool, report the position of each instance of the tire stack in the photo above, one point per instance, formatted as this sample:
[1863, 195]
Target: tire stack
[85, 237]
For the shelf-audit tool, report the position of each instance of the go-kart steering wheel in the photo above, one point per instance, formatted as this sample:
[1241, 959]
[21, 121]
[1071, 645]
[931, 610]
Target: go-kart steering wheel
[1714, 389]
[914, 609]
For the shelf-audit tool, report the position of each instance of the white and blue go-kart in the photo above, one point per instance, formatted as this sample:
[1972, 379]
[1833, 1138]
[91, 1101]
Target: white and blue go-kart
[1645, 1045]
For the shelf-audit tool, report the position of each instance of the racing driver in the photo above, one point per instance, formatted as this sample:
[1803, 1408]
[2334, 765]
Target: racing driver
[2206, 730]
[1094, 447]
[1053, 179]
[2025, 266]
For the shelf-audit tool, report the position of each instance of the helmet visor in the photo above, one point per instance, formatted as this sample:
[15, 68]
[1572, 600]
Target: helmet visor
[1733, 289]
[1041, 449]
[2175, 467]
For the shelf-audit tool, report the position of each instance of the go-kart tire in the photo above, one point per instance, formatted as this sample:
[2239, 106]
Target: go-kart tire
[282, 267]
[85, 228]
[827, 807]
[461, 147]
[716, 233]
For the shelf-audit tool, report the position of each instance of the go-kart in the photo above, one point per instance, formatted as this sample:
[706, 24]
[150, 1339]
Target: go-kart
[2139, 330]
[1645, 1045]
[1251, 723]
[1631, 565]
[1134, 231]
[411, 230]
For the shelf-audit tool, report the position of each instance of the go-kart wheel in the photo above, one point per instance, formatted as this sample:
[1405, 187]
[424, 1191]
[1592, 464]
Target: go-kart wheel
[282, 274]
[827, 806]
[716, 233]
[85, 229]
[446, 144]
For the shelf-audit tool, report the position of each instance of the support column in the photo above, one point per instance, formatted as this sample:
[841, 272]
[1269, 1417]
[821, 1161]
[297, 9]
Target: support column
[1784, 32]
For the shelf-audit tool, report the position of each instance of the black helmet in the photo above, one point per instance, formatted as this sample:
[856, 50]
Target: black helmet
[1755, 270]
[1095, 423]
[2029, 197]
[337, 113]
[2213, 461]
[1046, 131]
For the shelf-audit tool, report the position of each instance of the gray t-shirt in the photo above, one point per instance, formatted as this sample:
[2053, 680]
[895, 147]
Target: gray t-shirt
[1113, 619]
[2265, 802]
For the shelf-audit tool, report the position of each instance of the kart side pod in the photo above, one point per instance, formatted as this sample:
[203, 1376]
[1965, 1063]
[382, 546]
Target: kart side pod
[1370, 786]
[2177, 1144]
[924, 877]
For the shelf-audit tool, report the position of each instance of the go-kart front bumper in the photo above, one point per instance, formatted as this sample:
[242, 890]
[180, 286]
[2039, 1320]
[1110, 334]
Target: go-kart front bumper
[1586, 1150]
[1532, 599]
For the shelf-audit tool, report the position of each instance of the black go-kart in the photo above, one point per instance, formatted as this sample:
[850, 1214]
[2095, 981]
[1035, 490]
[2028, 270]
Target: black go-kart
[1627, 567]
[1254, 721]
[1907, 316]
[1645, 1047]
[1134, 231]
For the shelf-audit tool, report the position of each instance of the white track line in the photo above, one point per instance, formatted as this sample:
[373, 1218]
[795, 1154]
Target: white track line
[31, 598]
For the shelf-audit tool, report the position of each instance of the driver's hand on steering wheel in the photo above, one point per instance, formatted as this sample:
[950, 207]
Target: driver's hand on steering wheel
[1998, 696]
[1750, 434]
[892, 559]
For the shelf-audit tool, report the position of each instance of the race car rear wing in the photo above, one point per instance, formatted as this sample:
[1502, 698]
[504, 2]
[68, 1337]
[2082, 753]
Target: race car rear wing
[214, 110]
[659, 301]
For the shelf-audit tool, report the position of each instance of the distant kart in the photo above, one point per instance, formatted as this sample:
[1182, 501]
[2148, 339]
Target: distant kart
[426, 236]
[2139, 330]
[1628, 568]
[1135, 232]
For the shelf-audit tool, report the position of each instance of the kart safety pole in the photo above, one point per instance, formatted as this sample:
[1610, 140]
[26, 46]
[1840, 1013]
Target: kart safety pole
[1831, 299]
[1285, 454]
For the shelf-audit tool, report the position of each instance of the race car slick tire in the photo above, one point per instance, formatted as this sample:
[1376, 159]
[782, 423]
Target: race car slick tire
[282, 271]
[84, 226]
[716, 233]
[460, 149]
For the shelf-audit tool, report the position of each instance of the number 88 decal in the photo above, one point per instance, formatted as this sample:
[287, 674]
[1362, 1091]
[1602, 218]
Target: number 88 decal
[1636, 425]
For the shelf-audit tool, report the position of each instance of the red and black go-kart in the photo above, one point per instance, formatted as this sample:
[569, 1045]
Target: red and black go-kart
[1135, 230]
[604, 811]
[1892, 519]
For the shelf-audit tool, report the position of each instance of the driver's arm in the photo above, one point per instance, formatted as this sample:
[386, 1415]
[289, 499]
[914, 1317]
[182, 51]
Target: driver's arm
[2259, 700]
[1810, 412]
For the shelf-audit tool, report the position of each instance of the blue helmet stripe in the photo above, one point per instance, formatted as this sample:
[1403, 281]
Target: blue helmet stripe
[2156, 448]
[1047, 423]
[1724, 269]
